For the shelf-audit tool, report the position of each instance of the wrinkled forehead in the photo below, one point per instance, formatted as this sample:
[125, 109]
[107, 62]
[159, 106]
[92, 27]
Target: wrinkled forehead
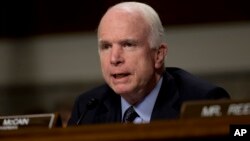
[122, 24]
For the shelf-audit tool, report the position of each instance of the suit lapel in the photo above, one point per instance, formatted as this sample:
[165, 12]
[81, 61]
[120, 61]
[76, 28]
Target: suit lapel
[110, 108]
[167, 104]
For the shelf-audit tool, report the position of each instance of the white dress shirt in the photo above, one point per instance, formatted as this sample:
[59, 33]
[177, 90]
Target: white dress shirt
[145, 108]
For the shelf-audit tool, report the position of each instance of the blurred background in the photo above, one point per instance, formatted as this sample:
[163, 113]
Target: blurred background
[48, 49]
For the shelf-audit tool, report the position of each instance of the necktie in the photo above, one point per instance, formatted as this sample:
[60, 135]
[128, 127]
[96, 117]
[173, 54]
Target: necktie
[129, 115]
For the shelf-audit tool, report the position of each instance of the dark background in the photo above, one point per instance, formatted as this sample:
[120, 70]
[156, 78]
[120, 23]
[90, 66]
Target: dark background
[24, 18]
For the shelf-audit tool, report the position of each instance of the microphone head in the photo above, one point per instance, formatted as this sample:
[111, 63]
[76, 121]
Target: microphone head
[92, 103]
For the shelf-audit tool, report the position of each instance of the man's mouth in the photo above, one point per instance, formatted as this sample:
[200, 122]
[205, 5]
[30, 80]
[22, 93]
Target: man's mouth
[122, 75]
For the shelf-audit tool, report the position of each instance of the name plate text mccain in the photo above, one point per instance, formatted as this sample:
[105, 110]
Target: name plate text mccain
[24, 121]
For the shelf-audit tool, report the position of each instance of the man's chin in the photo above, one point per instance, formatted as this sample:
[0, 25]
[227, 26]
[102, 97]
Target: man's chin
[122, 91]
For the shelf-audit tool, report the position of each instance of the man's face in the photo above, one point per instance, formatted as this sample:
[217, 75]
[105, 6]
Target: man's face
[127, 61]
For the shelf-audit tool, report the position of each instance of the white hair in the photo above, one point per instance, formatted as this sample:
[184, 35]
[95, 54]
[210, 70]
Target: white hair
[156, 36]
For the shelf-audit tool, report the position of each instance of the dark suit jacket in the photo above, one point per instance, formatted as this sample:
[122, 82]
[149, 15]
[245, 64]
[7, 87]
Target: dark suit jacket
[177, 87]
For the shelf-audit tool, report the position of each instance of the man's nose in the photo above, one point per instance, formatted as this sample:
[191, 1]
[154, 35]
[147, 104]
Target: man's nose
[116, 56]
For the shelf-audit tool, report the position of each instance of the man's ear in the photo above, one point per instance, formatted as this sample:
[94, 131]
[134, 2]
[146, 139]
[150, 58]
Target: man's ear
[161, 52]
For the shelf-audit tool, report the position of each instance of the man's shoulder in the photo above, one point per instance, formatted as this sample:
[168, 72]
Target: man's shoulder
[193, 86]
[183, 77]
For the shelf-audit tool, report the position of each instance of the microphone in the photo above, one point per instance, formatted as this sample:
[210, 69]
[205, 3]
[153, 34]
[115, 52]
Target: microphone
[92, 103]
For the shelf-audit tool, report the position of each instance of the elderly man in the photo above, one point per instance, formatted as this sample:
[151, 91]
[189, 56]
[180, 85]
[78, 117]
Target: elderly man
[138, 87]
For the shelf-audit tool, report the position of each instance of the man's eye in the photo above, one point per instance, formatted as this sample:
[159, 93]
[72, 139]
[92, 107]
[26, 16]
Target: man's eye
[127, 44]
[105, 46]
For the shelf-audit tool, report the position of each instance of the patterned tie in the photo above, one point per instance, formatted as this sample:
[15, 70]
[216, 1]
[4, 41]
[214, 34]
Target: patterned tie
[129, 115]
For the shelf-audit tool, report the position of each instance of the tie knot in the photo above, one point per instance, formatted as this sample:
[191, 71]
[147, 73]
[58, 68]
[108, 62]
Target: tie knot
[130, 115]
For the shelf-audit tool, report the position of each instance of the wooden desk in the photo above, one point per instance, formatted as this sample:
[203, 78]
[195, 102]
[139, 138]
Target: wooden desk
[193, 129]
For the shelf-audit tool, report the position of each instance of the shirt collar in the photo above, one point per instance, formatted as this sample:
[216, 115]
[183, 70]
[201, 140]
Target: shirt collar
[145, 108]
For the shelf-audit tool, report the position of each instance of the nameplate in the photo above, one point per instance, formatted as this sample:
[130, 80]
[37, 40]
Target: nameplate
[215, 108]
[14, 122]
